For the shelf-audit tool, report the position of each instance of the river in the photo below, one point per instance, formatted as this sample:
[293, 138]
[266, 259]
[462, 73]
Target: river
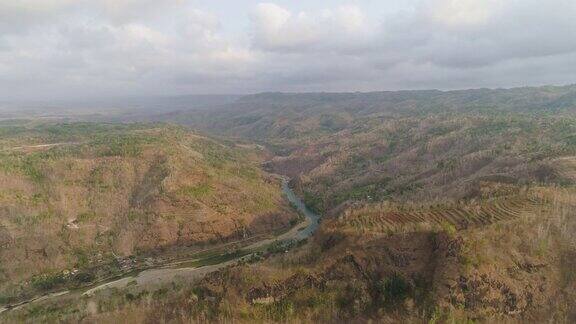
[312, 219]
[163, 274]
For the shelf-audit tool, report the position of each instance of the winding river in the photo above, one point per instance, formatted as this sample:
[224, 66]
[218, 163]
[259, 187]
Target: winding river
[312, 219]
[165, 274]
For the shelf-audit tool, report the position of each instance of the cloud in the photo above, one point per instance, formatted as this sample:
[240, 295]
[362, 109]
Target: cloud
[122, 11]
[17, 16]
[60, 48]
[504, 31]
[462, 13]
[278, 29]
[115, 48]
[441, 43]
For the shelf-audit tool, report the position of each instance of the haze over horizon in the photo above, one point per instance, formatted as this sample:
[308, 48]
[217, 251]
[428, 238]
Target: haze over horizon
[65, 49]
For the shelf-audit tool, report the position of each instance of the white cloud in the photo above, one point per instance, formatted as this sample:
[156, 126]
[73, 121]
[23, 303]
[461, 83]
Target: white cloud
[17, 16]
[91, 47]
[116, 47]
[278, 29]
[462, 13]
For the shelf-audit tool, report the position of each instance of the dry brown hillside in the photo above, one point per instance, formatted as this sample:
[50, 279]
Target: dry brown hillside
[109, 191]
[437, 207]
[341, 148]
[515, 266]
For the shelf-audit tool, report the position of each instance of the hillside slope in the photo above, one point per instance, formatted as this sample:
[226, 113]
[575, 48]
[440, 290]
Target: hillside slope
[512, 269]
[437, 207]
[105, 191]
[408, 145]
[292, 118]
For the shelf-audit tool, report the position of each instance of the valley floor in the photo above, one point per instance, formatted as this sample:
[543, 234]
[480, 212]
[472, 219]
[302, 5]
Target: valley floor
[206, 262]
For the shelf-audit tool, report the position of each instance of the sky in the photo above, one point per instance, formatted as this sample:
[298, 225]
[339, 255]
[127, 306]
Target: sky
[74, 49]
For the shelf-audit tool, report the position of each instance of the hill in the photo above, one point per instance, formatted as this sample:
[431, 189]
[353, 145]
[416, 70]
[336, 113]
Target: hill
[407, 145]
[437, 207]
[78, 197]
[514, 263]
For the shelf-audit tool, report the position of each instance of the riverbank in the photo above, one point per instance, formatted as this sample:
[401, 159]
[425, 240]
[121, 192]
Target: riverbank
[196, 268]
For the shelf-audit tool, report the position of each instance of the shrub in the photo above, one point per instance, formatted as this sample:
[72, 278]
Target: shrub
[48, 281]
[84, 277]
[197, 191]
[354, 299]
[393, 289]
[449, 229]
[277, 311]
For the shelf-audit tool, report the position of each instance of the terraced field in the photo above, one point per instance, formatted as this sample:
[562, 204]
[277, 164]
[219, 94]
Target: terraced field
[378, 219]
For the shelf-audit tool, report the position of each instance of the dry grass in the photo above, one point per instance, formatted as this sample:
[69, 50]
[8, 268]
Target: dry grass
[126, 193]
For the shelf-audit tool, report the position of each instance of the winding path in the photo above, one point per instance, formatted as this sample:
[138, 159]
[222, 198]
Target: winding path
[39, 146]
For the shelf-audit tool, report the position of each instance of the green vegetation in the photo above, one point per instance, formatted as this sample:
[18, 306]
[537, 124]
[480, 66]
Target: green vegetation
[393, 290]
[76, 196]
[48, 281]
[313, 202]
[403, 146]
[198, 191]
[439, 207]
